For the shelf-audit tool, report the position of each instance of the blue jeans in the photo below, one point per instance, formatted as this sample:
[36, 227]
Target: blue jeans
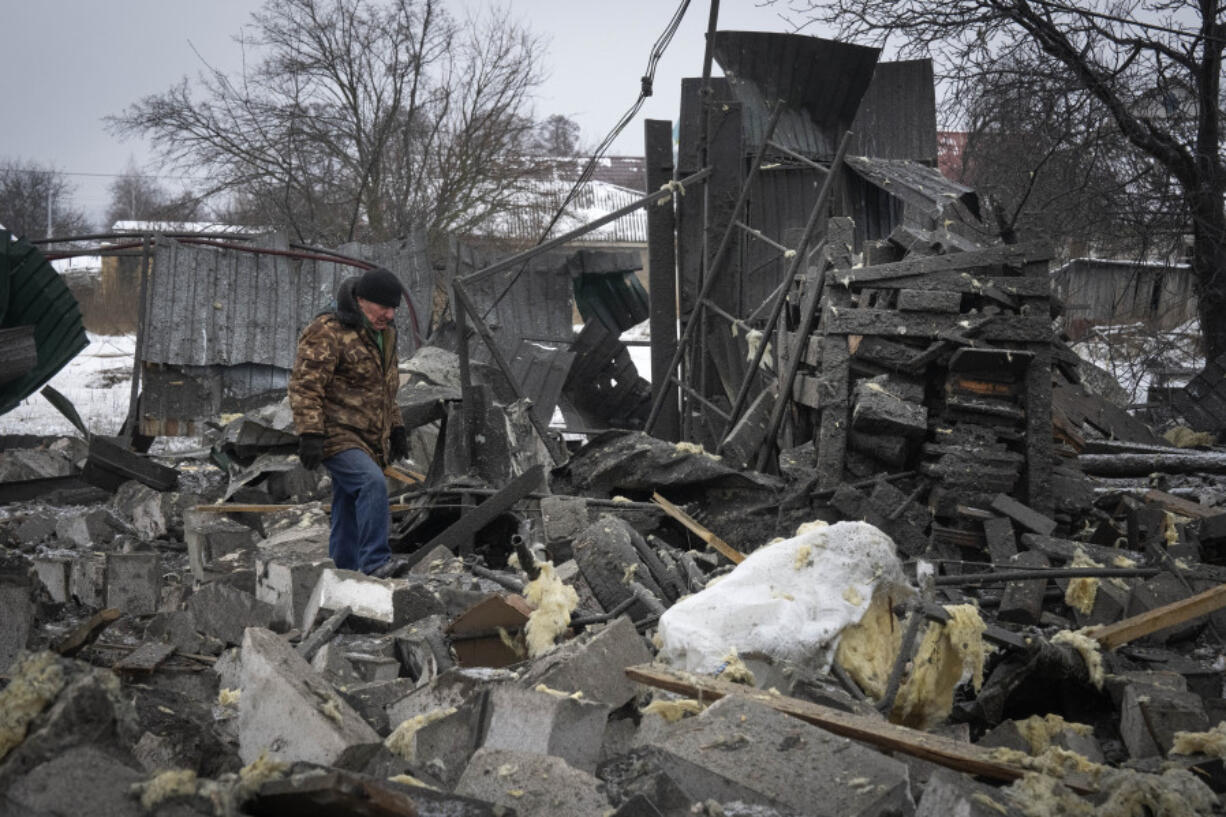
[360, 514]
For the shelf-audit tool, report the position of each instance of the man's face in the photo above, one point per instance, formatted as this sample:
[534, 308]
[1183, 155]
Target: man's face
[378, 314]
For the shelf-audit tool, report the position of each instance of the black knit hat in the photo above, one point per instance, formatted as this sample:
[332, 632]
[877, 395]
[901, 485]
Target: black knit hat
[379, 285]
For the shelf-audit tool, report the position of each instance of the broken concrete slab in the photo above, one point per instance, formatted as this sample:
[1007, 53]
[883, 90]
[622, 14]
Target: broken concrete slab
[288, 565]
[89, 528]
[224, 612]
[288, 710]
[134, 582]
[151, 512]
[210, 537]
[594, 664]
[952, 793]
[390, 602]
[738, 749]
[450, 689]
[55, 573]
[87, 583]
[1151, 715]
[533, 785]
[441, 742]
[546, 722]
[17, 613]
[83, 780]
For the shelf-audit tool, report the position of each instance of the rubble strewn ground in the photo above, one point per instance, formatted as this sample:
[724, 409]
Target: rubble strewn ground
[967, 583]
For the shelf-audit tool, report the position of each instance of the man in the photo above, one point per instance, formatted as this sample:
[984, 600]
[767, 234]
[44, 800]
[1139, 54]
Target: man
[343, 395]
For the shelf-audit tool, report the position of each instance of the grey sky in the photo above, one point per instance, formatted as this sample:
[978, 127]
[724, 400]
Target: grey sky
[72, 62]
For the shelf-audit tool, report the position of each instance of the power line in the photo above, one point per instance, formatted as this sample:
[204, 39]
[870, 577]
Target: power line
[645, 90]
[1124, 20]
[44, 171]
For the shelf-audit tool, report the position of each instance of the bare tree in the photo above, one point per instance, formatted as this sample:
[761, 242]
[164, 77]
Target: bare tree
[1126, 55]
[360, 120]
[137, 196]
[1047, 155]
[31, 194]
[557, 135]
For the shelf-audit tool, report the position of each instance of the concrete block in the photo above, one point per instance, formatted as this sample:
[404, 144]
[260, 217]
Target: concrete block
[16, 613]
[391, 602]
[371, 699]
[1022, 601]
[209, 537]
[548, 723]
[35, 529]
[1118, 682]
[33, 463]
[55, 572]
[1009, 734]
[92, 528]
[532, 785]
[178, 627]
[87, 584]
[953, 793]
[452, 688]
[83, 780]
[423, 649]
[595, 664]
[565, 517]
[330, 662]
[225, 612]
[288, 710]
[149, 510]
[287, 567]
[738, 749]
[442, 742]
[440, 555]
[134, 582]
[1110, 603]
[1150, 716]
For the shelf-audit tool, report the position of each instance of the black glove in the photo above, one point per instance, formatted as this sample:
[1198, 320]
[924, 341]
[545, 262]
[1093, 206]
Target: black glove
[311, 450]
[399, 443]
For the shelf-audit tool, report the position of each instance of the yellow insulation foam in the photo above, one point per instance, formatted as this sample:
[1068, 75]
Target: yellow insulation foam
[1089, 649]
[1038, 730]
[673, 711]
[171, 783]
[1082, 590]
[400, 741]
[948, 653]
[553, 601]
[1212, 742]
[868, 648]
[36, 681]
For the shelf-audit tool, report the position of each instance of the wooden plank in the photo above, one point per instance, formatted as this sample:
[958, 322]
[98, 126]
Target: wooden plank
[728, 551]
[1013, 255]
[1180, 506]
[404, 475]
[891, 323]
[1160, 618]
[944, 751]
[979, 282]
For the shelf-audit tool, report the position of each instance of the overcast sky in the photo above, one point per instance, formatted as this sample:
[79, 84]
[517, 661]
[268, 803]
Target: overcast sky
[69, 63]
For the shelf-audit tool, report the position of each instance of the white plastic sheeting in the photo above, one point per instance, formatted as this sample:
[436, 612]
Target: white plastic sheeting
[787, 601]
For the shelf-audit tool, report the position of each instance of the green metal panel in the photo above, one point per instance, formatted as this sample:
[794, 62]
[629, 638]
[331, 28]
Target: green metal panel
[32, 293]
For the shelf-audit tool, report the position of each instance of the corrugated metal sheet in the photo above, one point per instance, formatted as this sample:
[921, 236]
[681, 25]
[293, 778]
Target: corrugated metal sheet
[33, 294]
[220, 306]
[526, 223]
[898, 117]
[920, 187]
[1102, 291]
[409, 258]
[822, 79]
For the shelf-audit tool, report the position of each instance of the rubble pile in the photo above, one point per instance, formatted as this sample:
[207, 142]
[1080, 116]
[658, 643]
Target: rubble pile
[955, 581]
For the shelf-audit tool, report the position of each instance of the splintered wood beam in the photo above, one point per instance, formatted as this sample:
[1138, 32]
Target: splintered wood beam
[728, 551]
[1111, 636]
[953, 754]
[404, 475]
[85, 633]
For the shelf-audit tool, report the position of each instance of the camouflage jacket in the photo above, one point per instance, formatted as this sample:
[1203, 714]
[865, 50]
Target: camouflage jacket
[341, 386]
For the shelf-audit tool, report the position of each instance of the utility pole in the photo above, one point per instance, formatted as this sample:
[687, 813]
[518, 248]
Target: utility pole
[50, 194]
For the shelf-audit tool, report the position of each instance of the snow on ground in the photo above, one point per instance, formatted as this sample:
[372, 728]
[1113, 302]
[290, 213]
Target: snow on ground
[98, 381]
[1138, 357]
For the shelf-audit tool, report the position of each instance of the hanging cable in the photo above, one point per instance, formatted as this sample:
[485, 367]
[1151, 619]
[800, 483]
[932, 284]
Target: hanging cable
[645, 89]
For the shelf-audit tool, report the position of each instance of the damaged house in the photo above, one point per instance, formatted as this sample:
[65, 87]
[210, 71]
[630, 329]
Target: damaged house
[866, 543]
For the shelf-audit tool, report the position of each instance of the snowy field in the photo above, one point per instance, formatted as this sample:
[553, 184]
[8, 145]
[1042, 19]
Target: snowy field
[98, 381]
